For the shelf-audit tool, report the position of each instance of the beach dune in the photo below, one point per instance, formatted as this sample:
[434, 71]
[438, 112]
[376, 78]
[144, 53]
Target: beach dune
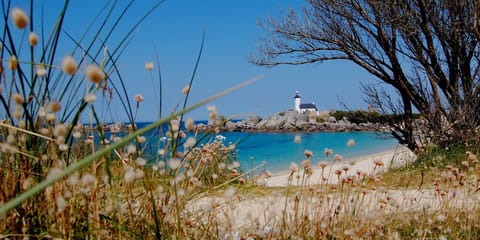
[362, 165]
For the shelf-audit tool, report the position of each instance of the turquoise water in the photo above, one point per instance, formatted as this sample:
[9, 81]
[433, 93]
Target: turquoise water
[279, 149]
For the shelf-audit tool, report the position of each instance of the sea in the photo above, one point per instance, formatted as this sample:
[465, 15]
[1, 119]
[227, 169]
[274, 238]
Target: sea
[279, 150]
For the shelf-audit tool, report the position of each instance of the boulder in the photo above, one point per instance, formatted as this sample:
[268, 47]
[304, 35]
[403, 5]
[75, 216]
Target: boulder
[332, 119]
[252, 120]
[217, 121]
[230, 126]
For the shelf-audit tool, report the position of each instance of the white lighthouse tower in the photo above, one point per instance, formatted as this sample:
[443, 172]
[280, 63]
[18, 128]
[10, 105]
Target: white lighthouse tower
[297, 101]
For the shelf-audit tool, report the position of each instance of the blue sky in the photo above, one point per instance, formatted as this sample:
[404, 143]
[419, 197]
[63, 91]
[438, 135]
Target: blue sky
[174, 32]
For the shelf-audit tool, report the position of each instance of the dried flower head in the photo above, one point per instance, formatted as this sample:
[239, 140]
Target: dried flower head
[186, 89]
[190, 142]
[90, 98]
[293, 167]
[54, 106]
[236, 164]
[189, 125]
[297, 139]
[138, 98]
[33, 39]
[60, 130]
[323, 164]
[131, 149]
[18, 99]
[338, 157]
[41, 71]
[94, 73]
[149, 66]
[17, 112]
[141, 139]
[175, 125]
[13, 62]
[140, 162]
[61, 203]
[328, 152]
[129, 176]
[350, 142]
[51, 117]
[88, 180]
[27, 183]
[378, 162]
[308, 153]
[174, 163]
[19, 18]
[213, 111]
[77, 134]
[63, 147]
[69, 66]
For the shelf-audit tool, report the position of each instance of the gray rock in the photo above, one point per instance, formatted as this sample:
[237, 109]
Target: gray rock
[332, 119]
[230, 126]
[217, 121]
[252, 120]
[288, 121]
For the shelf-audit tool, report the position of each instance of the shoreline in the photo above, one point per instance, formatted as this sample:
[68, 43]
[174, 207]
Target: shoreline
[355, 166]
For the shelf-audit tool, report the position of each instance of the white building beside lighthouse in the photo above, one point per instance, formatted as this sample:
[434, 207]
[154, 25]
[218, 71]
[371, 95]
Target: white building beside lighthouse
[304, 107]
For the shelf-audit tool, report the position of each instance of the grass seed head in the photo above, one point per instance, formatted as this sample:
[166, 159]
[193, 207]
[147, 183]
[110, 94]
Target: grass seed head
[54, 106]
[189, 125]
[41, 71]
[129, 176]
[131, 149]
[61, 203]
[186, 89]
[351, 143]
[18, 99]
[323, 164]
[308, 153]
[94, 73]
[297, 139]
[13, 63]
[139, 174]
[88, 180]
[60, 130]
[174, 163]
[190, 142]
[19, 18]
[140, 162]
[293, 167]
[138, 98]
[328, 152]
[90, 98]
[33, 39]
[69, 65]
[149, 66]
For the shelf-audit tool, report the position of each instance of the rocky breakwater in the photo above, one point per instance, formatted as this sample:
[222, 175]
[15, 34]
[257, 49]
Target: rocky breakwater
[289, 121]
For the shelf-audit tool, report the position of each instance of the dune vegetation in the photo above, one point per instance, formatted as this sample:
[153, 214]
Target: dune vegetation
[62, 178]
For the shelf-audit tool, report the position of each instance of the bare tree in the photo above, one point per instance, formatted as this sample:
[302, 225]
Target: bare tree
[426, 50]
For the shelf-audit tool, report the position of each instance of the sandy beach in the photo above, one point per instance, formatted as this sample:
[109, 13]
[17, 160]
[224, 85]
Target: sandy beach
[366, 165]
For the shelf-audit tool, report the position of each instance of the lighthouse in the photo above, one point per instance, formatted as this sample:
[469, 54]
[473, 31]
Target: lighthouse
[297, 101]
[304, 107]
